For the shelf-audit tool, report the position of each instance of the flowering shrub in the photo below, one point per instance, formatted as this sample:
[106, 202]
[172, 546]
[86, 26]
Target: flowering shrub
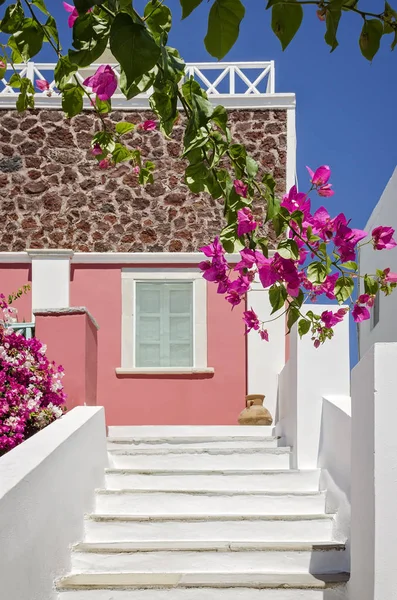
[31, 391]
[315, 255]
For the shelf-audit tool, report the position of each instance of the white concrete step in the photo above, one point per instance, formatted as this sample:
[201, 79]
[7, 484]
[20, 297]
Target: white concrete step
[202, 586]
[197, 442]
[245, 458]
[131, 502]
[298, 558]
[115, 528]
[189, 431]
[226, 480]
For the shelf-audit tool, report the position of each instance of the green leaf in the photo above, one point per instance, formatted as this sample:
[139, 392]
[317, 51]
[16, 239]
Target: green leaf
[121, 153]
[90, 38]
[104, 107]
[63, 71]
[83, 5]
[223, 26]
[29, 39]
[317, 272]
[15, 80]
[288, 249]
[344, 288]
[370, 37]
[124, 127]
[72, 99]
[293, 316]
[133, 47]
[139, 86]
[219, 117]
[41, 5]
[303, 327]
[26, 97]
[51, 30]
[286, 20]
[350, 264]
[371, 286]
[277, 297]
[13, 18]
[332, 18]
[158, 19]
[164, 103]
[390, 16]
[188, 6]
[195, 177]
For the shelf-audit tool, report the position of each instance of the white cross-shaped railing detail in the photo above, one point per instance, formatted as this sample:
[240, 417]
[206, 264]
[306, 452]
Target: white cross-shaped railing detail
[231, 79]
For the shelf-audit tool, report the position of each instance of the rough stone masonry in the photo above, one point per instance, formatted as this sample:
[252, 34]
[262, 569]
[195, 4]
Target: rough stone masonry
[53, 195]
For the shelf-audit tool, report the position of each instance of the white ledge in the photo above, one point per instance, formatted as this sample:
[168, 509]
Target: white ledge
[130, 258]
[166, 371]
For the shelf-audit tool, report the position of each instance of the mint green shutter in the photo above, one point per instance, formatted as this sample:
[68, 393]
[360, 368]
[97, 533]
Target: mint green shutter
[164, 324]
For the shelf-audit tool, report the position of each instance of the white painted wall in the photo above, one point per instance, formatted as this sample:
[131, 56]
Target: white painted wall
[374, 475]
[265, 360]
[385, 213]
[46, 485]
[50, 278]
[312, 374]
[335, 462]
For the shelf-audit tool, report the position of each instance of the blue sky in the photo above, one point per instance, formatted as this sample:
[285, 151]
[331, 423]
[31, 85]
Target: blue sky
[346, 115]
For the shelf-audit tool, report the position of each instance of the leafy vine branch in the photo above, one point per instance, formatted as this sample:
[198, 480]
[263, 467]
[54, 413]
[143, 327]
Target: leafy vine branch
[298, 255]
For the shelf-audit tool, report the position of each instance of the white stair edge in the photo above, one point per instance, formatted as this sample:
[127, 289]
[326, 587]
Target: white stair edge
[213, 517]
[212, 580]
[161, 431]
[198, 451]
[196, 546]
[184, 471]
[208, 492]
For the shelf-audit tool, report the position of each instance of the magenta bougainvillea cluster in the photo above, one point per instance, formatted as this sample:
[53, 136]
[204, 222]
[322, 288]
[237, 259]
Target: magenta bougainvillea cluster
[316, 256]
[31, 390]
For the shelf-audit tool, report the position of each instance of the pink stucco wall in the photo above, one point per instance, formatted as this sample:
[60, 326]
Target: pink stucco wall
[71, 342]
[166, 400]
[13, 277]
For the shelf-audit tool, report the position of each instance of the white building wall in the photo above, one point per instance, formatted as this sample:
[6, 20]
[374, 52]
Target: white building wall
[46, 485]
[385, 213]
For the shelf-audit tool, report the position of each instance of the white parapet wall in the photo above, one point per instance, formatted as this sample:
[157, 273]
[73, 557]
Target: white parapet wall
[46, 485]
[374, 475]
[309, 375]
[335, 463]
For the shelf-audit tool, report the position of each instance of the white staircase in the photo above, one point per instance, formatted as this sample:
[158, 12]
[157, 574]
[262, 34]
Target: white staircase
[206, 513]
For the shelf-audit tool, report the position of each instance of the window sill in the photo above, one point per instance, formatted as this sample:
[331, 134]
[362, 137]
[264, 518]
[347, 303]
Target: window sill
[166, 371]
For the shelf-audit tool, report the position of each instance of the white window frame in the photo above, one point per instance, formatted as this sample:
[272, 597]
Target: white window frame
[129, 278]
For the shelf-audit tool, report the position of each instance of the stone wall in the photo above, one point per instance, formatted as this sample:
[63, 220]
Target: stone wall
[53, 195]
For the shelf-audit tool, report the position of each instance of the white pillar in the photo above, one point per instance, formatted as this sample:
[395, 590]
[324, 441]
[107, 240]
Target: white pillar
[50, 278]
[315, 372]
[374, 475]
[265, 360]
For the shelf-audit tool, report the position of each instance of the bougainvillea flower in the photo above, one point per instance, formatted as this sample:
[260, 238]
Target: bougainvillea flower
[213, 249]
[73, 13]
[295, 200]
[264, 334]
[136, 169]
[360, 313]
[366, 299]
[326, 190]
[104, 163]
[382, 238]
[251, 320]
[245, 220]
[96, 150]
[267, 275]
[320, 176]
[214, 270]
[103, 82]
[43, 85]
[240, 188]
[2, 64]
[148, 125]
[330, 319]
[390, 277]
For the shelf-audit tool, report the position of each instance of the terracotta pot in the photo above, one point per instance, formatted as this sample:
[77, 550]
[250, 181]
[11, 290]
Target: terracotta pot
[255, 413]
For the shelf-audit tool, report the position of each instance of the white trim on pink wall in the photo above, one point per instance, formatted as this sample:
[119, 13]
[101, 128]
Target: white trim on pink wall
[131, 258]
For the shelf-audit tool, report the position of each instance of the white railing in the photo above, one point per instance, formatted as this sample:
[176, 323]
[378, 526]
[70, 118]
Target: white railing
[25, 329]
[227, 80]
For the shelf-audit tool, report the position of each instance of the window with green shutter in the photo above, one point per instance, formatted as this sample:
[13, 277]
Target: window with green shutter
[164, 324]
